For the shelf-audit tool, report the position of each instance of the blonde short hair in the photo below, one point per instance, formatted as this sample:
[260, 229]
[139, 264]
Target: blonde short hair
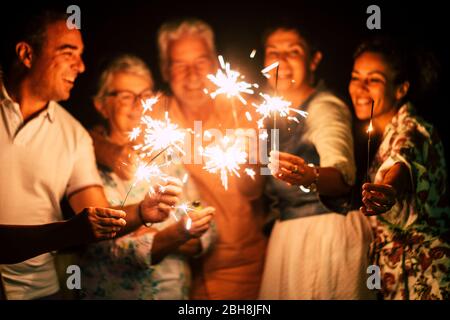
[174, 30]
[124, 63]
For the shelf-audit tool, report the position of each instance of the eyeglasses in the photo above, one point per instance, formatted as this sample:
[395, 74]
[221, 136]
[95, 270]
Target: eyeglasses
[128, 98]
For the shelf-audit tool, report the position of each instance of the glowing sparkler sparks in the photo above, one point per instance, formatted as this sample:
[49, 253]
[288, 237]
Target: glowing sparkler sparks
[145, 172]
[149, 103]
[276, 105]
[161, 135]
[227, 81]
[134, 133]
[185, 208]
[225, 158]
[253, 53]
[267, 69]
[250, 172]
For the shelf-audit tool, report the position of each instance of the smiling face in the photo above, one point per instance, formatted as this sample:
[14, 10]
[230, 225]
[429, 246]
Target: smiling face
[191, 61]
[122, 104]
[57, 65]
[372, 78]
[295, 64]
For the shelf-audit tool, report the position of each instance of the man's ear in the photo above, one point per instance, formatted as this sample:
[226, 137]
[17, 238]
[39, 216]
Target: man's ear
[315, 61]
[25, 54]
[402, 90]
[99, 105]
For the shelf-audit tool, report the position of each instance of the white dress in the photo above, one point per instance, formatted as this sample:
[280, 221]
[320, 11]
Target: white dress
[318, 256]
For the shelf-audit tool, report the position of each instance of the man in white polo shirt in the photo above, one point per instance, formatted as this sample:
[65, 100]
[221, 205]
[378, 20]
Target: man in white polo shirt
[45, 153]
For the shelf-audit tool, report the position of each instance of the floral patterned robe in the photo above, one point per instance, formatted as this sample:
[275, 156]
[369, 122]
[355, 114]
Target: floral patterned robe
[411, 243]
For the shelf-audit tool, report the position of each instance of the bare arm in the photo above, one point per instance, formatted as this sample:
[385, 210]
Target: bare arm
[91, 224]
[95, 196]
[167, 241]
[294, 170]
[171, 238]
[191, 248]
[379, 198]
[154, 208]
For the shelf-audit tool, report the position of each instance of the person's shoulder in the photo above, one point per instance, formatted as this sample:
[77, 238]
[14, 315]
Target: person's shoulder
[325, 102]
[65, 117]
[327, 97]
[409, 123]
[67, 122]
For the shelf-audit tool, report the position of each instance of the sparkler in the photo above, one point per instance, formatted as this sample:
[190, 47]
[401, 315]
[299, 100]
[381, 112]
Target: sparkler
[228, 83]
[369, 132]
[225, 158]
[276, 106]
[250, 172]
[267, 69]
[161, 135]
[186, 207]
[145, 172]
[148, 104]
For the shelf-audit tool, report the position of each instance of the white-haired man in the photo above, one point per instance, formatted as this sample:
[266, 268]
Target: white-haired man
[233, 268]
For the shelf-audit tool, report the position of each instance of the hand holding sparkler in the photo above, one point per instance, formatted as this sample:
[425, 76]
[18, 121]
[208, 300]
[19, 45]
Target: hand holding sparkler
[157, 205]
[199, 221]
[291, 169]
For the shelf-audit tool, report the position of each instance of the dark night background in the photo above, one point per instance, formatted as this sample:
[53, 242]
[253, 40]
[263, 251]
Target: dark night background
[109, 28]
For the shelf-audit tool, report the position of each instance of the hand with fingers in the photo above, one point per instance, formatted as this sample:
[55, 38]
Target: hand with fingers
[200, 221]
[157, 205]
[104, 223]
[377, 198]
[290, 168]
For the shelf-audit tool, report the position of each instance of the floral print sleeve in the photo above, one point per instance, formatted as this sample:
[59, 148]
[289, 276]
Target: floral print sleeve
[134, 249]
[412, 239]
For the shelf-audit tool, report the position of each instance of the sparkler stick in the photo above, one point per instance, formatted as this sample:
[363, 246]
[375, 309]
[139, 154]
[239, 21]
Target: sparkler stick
[159, 137]
[233, 109]
[274, 113]
[143, 167]
[228, 82]
[369, 131]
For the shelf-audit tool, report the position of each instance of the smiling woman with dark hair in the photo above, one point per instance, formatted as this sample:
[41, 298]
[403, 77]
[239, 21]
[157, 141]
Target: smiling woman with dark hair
[408, 193]
[317, 250]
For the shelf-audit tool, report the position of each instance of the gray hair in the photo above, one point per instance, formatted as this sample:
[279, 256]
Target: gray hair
[124, 63]
[174, 30]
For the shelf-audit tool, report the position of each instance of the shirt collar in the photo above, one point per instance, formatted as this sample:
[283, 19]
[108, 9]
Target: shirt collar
[49, 111]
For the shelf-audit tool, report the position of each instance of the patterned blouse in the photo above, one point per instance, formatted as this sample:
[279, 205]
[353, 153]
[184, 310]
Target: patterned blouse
[121, 268]
[411, 244]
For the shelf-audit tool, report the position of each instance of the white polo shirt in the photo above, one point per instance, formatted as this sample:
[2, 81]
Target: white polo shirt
[50, 156]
